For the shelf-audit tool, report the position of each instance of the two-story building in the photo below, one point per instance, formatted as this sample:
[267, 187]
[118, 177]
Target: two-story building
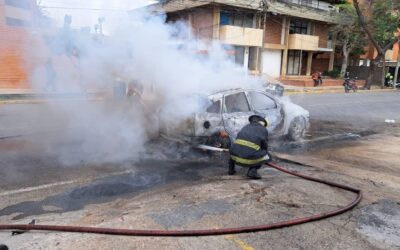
[280, 38]
[16, 18]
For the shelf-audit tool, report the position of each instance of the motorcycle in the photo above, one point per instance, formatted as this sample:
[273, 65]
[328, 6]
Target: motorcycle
[350, 84]
[389, 83]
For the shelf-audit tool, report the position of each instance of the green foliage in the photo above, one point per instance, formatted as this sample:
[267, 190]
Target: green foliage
[335, 73]
[351, 36]
[385, 20]
[346, 8]
[359, 50]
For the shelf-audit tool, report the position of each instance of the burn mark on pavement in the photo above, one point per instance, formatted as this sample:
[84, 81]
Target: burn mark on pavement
[146, 177]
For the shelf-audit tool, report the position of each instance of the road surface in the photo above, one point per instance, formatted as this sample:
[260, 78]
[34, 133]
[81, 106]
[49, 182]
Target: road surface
[172, 188]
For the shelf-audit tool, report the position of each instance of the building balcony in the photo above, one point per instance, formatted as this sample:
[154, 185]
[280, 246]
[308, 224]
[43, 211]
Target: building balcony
[240, 36]
[303, 42]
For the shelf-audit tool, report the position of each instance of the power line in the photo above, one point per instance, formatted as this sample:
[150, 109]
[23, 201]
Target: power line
[80, 8]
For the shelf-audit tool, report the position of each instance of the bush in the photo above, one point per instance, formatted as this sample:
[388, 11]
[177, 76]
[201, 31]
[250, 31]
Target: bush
[335, 73]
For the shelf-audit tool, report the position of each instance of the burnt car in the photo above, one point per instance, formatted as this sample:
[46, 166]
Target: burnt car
[221, 116]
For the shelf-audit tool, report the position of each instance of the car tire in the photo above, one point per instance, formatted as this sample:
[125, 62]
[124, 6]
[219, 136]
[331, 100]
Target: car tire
[297, 129]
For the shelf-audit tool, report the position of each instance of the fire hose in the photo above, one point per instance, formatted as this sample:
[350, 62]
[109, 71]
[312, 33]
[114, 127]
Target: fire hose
[203, 232]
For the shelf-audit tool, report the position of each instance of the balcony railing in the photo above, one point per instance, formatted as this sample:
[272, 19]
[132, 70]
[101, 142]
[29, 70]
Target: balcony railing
[320, 5]
[241, 36]
[303, 42]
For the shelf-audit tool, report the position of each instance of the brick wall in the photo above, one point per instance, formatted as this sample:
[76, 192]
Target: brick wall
[321, 30]
[202, 23]
[320, 64]
[325, 82]
[12, 65]
[273, 30]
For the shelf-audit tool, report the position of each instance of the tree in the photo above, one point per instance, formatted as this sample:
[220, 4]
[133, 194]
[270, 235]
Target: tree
[381, 24]
[350, 36]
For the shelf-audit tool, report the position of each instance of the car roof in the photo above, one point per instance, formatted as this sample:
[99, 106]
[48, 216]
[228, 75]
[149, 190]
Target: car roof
[220, 94]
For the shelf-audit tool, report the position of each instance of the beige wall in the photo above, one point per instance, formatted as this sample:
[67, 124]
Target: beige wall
[303, 42]
[241, 36]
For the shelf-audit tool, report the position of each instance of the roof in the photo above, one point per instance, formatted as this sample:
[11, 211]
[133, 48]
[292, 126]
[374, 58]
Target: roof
[178, 5]
[276, 7]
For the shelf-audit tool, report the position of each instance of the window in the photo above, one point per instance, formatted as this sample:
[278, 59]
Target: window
[215, 108]
[261, 101]
[17, 22]
[22, 4]
[239, 55]
[299, 27]
[236, 103]
[236, 19]
[293, 66]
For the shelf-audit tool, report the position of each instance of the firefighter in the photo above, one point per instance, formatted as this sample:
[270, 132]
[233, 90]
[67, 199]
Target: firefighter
[250, 149]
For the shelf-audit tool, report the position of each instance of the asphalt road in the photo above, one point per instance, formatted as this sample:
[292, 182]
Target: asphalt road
[34, 183]
[25, 159]
[359, 109]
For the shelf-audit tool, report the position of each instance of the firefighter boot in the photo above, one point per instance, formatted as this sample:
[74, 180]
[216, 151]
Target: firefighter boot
[252, 173]
[231, 167]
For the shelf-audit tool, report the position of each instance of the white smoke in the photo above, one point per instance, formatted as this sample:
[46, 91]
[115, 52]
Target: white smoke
[138, 47]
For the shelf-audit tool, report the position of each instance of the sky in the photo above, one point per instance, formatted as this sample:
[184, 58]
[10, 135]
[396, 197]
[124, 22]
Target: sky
[85, 13]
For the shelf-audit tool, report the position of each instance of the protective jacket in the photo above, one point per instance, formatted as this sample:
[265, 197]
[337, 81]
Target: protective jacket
[250, 147]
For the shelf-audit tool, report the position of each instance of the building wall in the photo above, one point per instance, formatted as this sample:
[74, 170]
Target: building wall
[273, 30]
[13, 42]
[321, 30]
[202, 23]
[320, 64]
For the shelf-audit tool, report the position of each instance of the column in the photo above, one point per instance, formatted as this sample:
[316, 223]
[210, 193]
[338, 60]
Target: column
[216, 21]
[309, 63]
[332, 54]
[286, 43]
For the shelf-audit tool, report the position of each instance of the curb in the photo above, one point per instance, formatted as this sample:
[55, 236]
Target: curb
[41, 101]
[301, 92]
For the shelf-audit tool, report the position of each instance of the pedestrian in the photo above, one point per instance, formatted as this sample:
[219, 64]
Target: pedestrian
[51, 75]
[320, 78]
[250, 149]
[314, 77]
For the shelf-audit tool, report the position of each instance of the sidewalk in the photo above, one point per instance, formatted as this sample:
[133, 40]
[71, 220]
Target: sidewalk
[14, 96]
[293, 90]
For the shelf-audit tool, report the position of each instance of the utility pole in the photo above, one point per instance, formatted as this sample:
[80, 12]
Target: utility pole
[396, 71]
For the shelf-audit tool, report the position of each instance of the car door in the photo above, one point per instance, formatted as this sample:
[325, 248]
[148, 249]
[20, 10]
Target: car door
[209, 122]
[236, 112]
[262, 103]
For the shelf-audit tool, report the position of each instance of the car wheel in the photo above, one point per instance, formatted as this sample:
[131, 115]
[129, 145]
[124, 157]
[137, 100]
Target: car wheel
[297, 129]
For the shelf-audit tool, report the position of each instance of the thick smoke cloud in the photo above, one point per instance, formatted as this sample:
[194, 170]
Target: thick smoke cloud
[138, 47]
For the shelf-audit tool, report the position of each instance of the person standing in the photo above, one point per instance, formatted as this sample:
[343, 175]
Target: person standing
[250, 149]
[314, 77]
[319, 78]
[51, 75]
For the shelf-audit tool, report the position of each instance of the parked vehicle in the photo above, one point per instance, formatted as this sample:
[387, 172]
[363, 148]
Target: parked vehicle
[350, 84]
[224, 113]
[389, 83]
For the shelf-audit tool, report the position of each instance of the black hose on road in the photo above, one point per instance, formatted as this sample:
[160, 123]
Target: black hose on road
[204, 232]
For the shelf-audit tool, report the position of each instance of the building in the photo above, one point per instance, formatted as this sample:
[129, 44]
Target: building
[16, 17]
[286, 39]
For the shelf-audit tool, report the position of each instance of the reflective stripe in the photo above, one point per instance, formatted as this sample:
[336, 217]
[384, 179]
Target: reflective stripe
[247, 144]
[247, 161]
